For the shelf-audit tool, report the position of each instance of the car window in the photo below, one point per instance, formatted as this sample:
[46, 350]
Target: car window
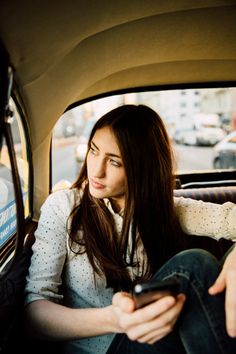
[197, 120]
[68, 151]
[7, 197]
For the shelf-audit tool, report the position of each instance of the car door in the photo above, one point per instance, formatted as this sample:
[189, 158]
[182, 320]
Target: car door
[15, 209]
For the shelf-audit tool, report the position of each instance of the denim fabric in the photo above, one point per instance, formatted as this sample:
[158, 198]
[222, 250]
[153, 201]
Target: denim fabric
[201, 326]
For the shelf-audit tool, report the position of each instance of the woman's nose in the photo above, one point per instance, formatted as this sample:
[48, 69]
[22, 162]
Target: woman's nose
[99, 168]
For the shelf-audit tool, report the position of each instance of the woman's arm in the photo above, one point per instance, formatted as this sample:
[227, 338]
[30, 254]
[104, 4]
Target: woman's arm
[206, 219]
[46, 320]
[49, 321]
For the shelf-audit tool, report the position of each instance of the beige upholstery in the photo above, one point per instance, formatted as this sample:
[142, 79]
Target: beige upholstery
[67, 51]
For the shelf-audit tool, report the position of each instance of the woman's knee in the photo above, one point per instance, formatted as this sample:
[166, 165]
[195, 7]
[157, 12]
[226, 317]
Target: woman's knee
[199, 263]
[196, 255]
[193, 263]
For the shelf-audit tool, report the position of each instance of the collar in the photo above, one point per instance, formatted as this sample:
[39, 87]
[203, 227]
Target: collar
[109, 207]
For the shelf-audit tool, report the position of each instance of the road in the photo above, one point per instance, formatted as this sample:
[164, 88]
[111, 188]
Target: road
[188, 158]
[64, 166]
[193, 157]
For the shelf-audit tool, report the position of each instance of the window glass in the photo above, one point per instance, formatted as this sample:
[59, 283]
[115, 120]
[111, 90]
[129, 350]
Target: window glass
[7, 198]
[233, 139]
[198, 122]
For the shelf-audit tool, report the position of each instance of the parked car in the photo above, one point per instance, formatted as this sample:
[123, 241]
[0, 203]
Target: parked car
[68, 130]
[185, 136]
[225, 152]
[209, 136]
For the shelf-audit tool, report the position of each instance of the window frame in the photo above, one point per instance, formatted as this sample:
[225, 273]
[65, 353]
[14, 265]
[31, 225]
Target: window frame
[9, 246]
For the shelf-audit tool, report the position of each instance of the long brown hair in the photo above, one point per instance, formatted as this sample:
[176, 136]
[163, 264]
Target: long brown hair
[149, 210]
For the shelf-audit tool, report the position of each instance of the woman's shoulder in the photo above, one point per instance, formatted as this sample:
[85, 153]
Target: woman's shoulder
[65, 198]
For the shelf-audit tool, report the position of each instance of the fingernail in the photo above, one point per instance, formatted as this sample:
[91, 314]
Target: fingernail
[232, 332]
[210, 291]
[182, 297]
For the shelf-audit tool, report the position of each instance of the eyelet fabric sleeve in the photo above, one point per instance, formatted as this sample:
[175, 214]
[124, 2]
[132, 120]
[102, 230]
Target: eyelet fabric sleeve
[206, 219]
[49, 249]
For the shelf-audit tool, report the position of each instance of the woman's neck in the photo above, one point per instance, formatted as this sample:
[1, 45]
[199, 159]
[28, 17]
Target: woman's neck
[117, 206]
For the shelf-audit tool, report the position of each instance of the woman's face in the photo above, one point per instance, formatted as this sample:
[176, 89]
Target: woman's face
[105, 168]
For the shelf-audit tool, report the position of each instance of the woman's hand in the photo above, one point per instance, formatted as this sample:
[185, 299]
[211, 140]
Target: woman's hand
[150, 323]
[227, 280]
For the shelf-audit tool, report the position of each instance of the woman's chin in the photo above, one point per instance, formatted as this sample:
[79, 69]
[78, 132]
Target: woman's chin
[96, 193]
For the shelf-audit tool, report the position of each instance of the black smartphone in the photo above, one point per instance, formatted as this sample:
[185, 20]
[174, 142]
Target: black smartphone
[145, 293]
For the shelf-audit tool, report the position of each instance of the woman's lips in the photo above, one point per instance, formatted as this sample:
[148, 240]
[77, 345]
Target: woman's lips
[96, 184]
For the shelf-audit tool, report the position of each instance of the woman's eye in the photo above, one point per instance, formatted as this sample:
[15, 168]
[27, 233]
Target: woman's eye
[115, 163]
[93, 151]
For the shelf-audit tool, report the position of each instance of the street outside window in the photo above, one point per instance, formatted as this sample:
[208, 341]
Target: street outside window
[197, 121]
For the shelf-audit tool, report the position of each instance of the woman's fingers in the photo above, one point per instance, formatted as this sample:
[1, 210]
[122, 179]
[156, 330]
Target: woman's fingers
[148, 312]
[230, 303]
[159, 325]
[150, 323]
[155, 335]
[227, 281]
[219, 284]
[124, 302]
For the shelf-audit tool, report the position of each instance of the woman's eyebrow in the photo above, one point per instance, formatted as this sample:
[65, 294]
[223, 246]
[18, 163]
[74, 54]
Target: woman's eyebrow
[96, 147]
[110, 154]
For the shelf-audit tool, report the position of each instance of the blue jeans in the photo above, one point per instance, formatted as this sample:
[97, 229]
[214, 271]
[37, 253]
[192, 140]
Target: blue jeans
[200, 328]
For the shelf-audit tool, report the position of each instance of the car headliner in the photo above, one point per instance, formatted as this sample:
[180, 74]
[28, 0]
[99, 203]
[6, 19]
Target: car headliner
[68, 51]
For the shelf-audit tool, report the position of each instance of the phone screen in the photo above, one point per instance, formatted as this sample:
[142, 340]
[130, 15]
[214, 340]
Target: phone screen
[145, 293]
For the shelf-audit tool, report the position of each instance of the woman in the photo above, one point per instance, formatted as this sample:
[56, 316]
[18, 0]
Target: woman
[118, 225]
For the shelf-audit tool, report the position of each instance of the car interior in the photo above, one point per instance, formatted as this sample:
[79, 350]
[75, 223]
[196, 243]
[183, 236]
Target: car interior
[59, 55]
